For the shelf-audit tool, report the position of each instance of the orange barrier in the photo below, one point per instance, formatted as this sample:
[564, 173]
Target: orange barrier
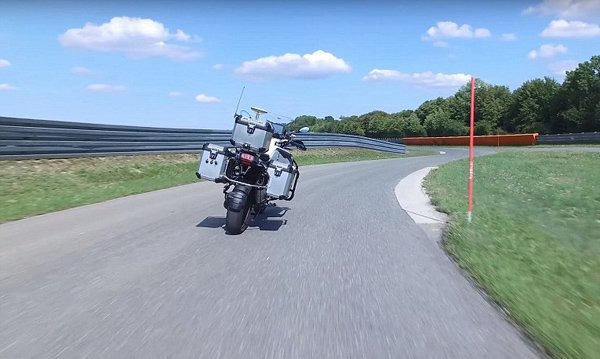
[526, 139]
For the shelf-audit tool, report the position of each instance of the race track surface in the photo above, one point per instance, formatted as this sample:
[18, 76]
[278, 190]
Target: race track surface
[339, 272]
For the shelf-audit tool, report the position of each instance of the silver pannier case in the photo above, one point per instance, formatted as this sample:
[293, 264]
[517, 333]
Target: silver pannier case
[282, 180]
[213, 162]
[251, 134]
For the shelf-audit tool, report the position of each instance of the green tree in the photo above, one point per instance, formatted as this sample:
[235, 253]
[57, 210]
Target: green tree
[578, 101]
[485, 128]
[492, 105]
[532, 106]
[440, 124]
[302, 121]
[349, 118]
[403, 114]
[539, 105]
[328, 124]
[351, 127]
[429, 107]
[412, 127]
[458, 106]
[374, 123]
[405, 124]
[394, 129]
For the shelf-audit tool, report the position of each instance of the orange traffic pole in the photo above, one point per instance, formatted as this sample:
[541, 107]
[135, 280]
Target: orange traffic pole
[471, 152]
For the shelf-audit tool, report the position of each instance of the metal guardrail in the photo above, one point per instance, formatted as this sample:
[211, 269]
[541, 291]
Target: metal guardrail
[28, 138]
[569, 138]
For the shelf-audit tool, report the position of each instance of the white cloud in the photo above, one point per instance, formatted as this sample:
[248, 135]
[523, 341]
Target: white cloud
[383, 75]
[7, 87]
[440, 44]
[564, 28]
[509, 37]
[319, 64]
[547, 51]
[135, 37]
[80, 70]
[105, 88]
[174, 94]
[450, 30]
[4, 63]
[218, 66]
[569, 9]
[561, 67]
[202, 98]
[425, 79]
[482, 33]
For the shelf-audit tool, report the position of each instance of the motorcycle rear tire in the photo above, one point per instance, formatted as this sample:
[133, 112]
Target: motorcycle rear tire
[237, 222]
[238, 210]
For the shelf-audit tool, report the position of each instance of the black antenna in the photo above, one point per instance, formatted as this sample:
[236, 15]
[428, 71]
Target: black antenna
[238, 104]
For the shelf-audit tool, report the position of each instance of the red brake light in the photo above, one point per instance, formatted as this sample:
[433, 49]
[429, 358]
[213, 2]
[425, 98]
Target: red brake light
[247, 159]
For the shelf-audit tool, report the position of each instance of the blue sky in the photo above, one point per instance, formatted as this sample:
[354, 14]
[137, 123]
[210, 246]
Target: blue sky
[184, 63]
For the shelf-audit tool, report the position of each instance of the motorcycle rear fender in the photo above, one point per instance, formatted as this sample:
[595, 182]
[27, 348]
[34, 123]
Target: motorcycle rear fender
[236, 200]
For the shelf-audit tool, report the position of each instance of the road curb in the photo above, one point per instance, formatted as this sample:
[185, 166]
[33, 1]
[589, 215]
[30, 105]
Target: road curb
[416, 203]
[413, 199]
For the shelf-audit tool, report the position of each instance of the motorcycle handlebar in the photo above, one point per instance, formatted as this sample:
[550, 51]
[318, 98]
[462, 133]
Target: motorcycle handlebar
[298, 144]
[290, 138]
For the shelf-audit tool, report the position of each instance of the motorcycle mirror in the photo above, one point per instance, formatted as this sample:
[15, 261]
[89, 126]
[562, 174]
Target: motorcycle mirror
[304, 130]
[264, 157]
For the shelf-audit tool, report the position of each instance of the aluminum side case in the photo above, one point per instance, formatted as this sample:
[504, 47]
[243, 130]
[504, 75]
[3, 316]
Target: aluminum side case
[213, 162]
[251, 134]
[282, 180]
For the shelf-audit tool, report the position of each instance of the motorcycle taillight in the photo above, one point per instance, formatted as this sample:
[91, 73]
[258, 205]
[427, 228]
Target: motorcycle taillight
[246, 159]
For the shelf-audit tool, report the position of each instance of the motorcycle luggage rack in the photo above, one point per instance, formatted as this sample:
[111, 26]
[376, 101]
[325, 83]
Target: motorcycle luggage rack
[244, 183]
[293, 187]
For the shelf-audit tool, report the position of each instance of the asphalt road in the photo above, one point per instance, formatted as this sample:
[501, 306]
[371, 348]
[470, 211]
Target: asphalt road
[339, 272]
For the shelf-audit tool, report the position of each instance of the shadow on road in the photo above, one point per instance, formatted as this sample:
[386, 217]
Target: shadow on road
[212, 222]
[263, 221]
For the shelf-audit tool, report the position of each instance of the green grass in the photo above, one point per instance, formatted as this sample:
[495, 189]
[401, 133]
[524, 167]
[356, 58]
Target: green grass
[32, 187]
[332, 155]
[534, 243]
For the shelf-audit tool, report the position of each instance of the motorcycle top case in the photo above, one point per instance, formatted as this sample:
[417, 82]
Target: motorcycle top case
[213, 162]
[282, 176]
[250, 134]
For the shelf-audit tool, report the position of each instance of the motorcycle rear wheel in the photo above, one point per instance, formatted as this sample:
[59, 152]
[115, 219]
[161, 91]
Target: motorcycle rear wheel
[236, 220]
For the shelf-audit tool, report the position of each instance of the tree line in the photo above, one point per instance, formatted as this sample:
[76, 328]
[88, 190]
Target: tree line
[541, 105]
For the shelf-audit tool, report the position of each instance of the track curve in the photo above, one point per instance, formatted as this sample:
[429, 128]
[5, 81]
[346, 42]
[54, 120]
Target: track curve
[340, 272]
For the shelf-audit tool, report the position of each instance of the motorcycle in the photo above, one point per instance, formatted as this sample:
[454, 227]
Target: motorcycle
[259, 166]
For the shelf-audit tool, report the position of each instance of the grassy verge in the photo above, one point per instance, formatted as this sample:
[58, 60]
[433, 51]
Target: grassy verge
[332, 155]
[31, 187]
[534, 243]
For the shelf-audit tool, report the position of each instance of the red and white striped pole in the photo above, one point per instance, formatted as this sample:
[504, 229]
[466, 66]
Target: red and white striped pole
[471, 152]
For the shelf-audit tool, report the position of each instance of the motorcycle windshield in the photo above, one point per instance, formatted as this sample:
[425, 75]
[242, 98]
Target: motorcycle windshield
[278, 128]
